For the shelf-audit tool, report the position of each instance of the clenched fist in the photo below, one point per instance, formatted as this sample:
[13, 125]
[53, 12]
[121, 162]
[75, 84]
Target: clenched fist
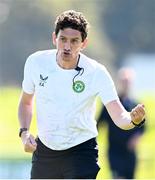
[137, 115]
[29, 142]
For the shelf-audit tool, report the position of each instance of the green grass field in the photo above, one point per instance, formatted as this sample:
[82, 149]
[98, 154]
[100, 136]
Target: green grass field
[12, 149]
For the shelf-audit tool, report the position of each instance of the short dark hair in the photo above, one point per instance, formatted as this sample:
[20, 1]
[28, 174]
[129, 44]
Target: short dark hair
[74, 20]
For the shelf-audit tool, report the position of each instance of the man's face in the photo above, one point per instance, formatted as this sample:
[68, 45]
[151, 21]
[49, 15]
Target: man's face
[69, 43]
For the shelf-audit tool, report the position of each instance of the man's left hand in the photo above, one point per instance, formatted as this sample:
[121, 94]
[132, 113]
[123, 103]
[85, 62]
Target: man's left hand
[138, 114]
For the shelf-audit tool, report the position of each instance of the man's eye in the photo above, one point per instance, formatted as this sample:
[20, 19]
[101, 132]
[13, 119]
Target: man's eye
[75, 41]
[63, 39]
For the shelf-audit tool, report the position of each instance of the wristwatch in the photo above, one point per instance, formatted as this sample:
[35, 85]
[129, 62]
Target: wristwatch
[21, 130]
[138, 125]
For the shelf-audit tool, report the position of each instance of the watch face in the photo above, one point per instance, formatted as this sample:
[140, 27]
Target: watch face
[78, 86]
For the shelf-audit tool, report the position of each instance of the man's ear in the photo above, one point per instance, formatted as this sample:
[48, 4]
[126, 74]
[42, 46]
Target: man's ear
[84, 44]
[54, 38]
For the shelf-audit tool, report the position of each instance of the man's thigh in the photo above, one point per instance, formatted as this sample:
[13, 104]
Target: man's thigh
[44, 170]
[80, 167]
[82, 162]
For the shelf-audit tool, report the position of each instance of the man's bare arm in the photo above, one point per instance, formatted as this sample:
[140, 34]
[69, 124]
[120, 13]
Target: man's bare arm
[122, 118]
[25, 116]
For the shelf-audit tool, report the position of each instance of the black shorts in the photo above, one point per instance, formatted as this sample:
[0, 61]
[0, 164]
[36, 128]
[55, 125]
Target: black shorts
[79, 162]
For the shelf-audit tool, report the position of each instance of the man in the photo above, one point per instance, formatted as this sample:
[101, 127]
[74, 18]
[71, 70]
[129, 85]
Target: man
[66, 83]
[122, 144]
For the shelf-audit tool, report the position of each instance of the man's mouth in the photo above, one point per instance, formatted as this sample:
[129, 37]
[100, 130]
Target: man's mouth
[67, 53]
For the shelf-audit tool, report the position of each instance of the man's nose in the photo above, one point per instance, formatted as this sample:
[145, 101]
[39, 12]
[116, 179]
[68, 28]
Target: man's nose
[67, 46]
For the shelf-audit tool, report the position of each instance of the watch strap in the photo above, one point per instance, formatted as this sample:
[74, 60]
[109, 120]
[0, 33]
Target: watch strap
[21, 130]
[138, 125]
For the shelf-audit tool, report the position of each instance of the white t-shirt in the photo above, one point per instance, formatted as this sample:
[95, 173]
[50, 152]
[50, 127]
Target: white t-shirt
[65, 115]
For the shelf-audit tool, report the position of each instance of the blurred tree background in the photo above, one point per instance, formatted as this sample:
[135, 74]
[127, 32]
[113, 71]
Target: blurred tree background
[118, 28]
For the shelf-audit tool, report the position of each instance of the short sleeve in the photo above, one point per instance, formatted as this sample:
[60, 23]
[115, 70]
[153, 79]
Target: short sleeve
[106, 88]
[28, 83]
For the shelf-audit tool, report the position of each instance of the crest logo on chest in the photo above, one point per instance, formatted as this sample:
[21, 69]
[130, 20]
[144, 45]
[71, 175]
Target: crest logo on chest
[78, 86]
